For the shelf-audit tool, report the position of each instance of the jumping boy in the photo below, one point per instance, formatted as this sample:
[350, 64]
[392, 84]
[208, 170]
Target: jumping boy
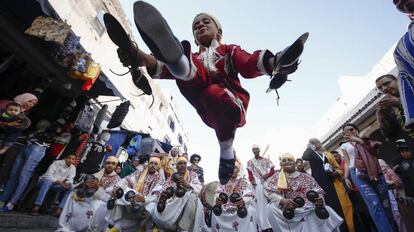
[208, 79]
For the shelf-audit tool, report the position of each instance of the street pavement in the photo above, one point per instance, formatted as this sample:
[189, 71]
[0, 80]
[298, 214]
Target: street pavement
[27, 230]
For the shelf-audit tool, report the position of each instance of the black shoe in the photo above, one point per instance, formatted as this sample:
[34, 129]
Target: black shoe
[117, 33]
[119, 36]
[226, 169]
[156, 33]
[287, 61]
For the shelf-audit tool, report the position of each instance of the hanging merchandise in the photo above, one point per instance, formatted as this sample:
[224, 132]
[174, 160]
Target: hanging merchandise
[49, 29]
[69, 47]
[84, 139]
[116, 140]
[119, 115]
[93, 161]
[99, 119]
[59, 144]
[134, 145]
[147, 146]
[90, 76]
[78, 64]
[85, 119]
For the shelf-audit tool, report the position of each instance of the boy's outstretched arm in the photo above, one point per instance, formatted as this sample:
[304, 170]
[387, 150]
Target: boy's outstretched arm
[136, 57]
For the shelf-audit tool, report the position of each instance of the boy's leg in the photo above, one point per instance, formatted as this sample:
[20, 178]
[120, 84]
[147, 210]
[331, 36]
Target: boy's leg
[225, 113]
[44, 185]
[159, 38]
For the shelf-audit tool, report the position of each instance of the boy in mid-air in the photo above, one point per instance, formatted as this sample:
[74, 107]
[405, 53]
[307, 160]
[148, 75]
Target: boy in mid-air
[208, 79]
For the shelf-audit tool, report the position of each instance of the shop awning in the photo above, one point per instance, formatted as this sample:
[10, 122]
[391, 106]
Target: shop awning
[32, 52]
[104, 86]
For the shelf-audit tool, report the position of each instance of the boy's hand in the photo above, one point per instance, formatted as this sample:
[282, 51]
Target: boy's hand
[388, 102]
[127, 58]
[287, 203]
[14, 123]
[319, 202]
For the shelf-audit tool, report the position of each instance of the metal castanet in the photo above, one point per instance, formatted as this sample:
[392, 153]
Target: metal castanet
[320, 211]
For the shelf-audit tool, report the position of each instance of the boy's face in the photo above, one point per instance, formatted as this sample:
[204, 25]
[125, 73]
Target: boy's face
[13, 110]
[205, 30]
[406, 154]
[388, 86]
[69, 160]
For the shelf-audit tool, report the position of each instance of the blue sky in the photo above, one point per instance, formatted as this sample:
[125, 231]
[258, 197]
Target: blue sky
[346, 38]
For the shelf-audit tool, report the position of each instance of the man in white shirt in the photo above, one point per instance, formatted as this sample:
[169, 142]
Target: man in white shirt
[86, 212]
[59, 177]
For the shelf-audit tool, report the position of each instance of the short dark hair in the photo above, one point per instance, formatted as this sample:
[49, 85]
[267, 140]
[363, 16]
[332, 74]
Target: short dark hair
[351, 125]
[392, 77]
[13, 104]
[193, 156]
[70, 155]
[334, 152]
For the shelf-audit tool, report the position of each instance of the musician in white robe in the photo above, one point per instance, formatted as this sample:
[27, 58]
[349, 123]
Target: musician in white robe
[185, 213]
[283, 187]
[259, 169]
[83, 213]
[147, 185]
[229, 220]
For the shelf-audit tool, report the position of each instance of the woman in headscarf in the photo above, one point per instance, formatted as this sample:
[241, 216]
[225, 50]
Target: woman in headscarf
[27, 102]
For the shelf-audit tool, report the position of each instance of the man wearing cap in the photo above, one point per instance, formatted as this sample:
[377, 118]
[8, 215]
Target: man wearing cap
[283, 187]
[89, 212]
[195, 160]
[404, 167]
[185, 213]
[229, 220]
[147, 185]
[209, 78]
[259, 170]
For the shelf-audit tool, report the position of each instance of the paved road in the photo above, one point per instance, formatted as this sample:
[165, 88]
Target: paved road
[27, 230]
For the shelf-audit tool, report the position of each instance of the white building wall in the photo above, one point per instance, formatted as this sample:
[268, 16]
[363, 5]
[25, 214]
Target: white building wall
[354, 90]
[83, 16]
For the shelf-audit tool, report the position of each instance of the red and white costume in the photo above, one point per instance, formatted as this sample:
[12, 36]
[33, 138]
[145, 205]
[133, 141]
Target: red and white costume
[215, 90]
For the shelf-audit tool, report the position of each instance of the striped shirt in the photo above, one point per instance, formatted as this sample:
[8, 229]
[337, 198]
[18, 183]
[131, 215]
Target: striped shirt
[404, 57]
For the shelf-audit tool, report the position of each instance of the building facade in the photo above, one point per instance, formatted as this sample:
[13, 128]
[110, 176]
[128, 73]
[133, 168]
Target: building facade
[161, 120]
[357, 105]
